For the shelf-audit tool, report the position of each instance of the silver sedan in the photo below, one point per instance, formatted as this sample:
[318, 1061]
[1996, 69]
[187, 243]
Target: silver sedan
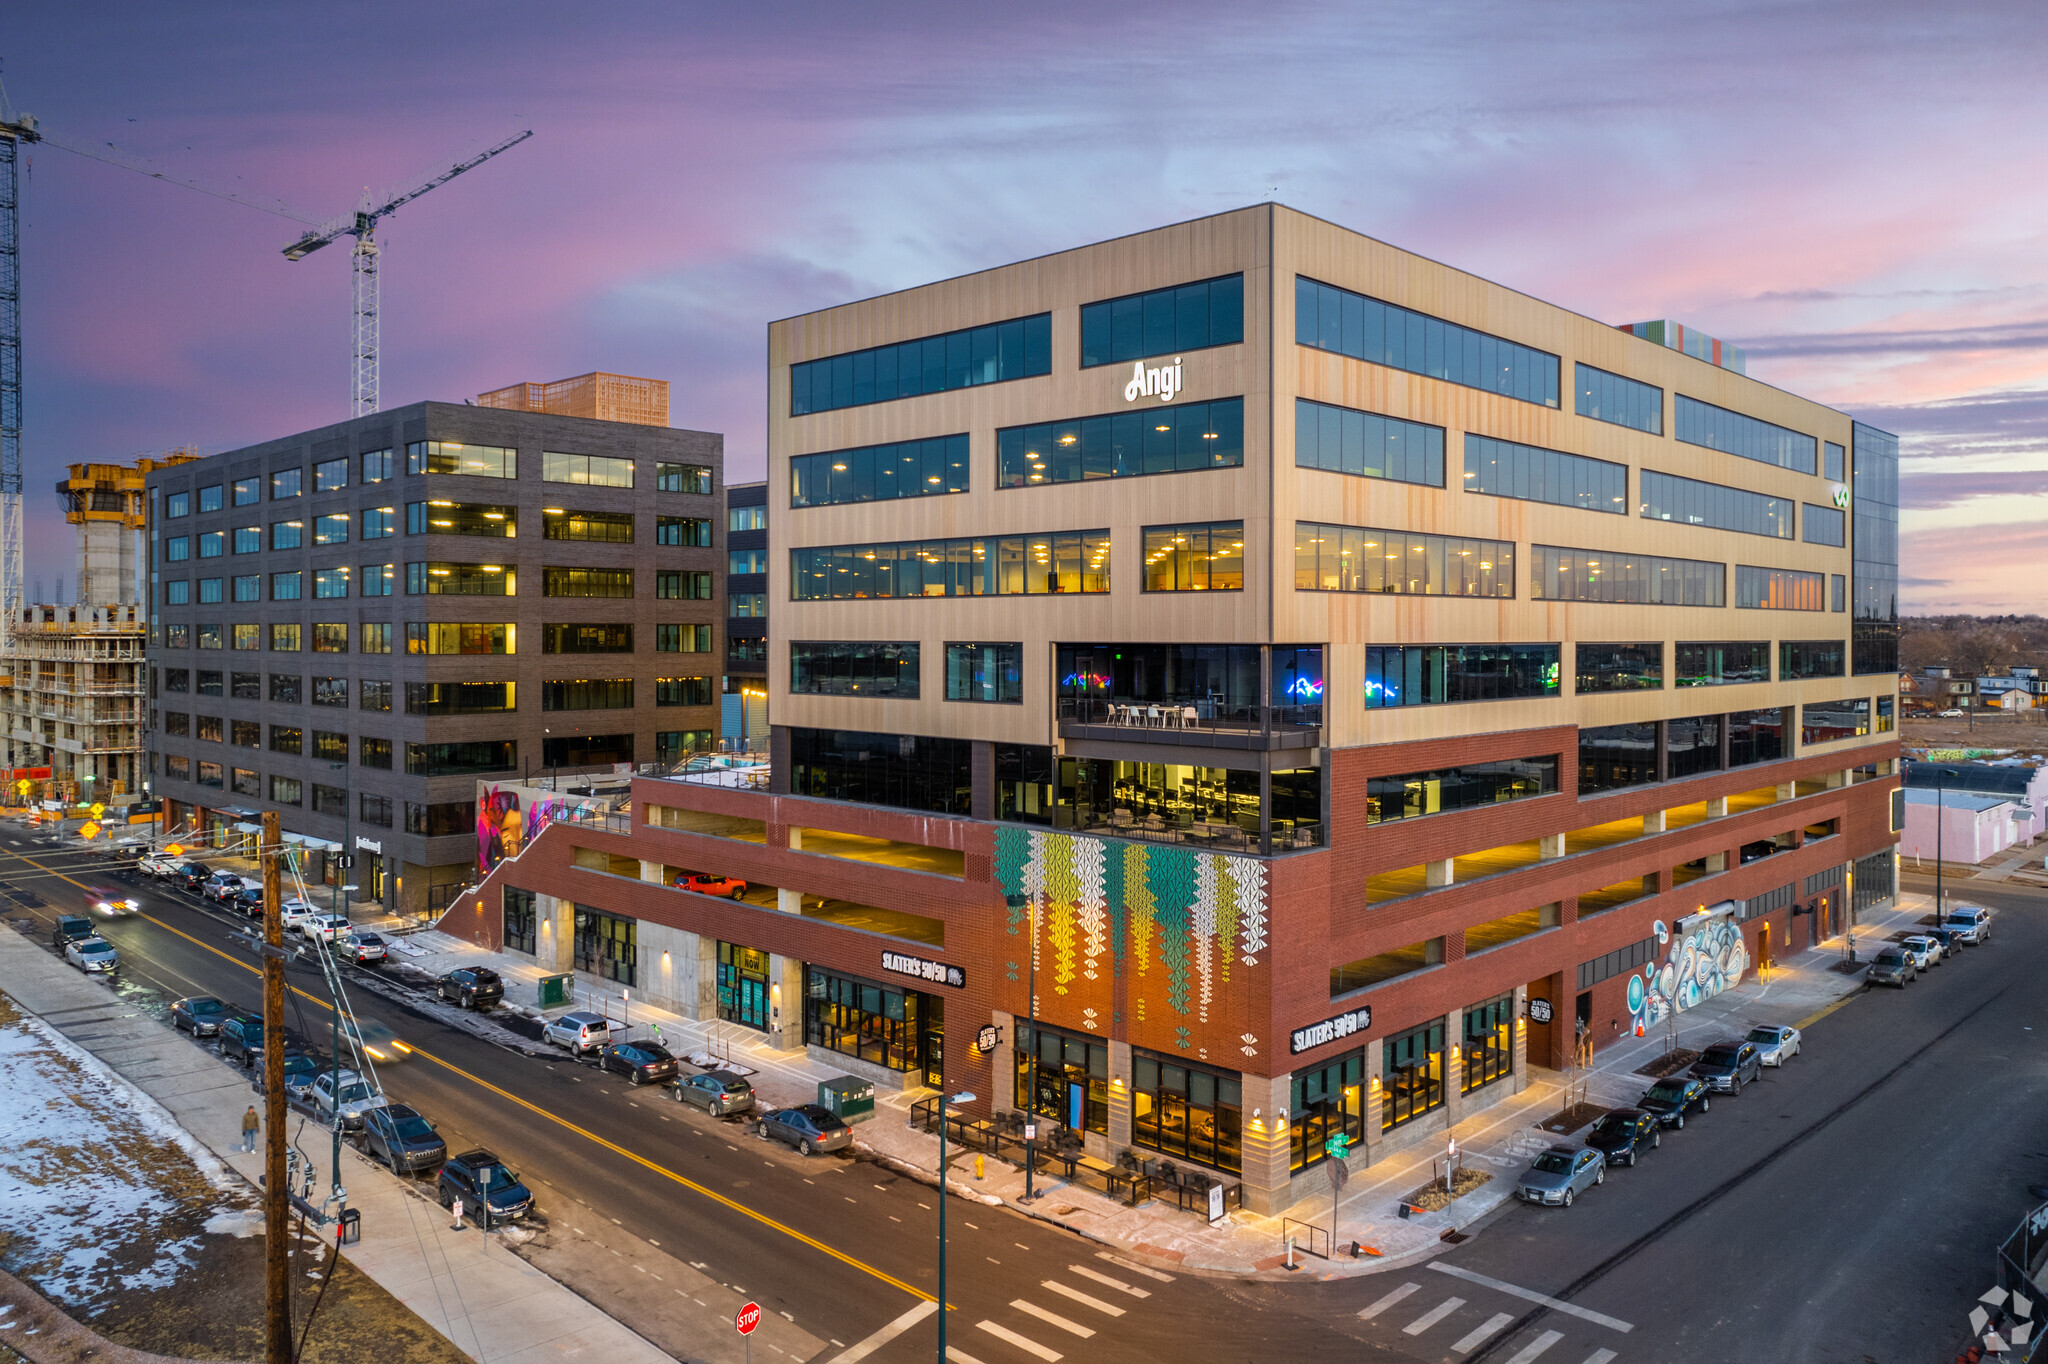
[1560, 1174]
[1777, 1044]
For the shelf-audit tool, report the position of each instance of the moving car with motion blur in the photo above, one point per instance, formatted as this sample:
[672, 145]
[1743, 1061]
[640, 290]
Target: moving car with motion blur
[1560, 1174]
[107, 903]
[374, 1040]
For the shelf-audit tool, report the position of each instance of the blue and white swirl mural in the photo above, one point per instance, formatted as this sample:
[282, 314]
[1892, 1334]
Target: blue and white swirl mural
[1695, 966]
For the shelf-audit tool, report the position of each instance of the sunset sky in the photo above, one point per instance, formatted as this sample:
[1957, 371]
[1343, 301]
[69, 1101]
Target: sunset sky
[1855, 192]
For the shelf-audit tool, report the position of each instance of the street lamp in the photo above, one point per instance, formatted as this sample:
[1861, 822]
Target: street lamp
[963, 1097]
[1031, 1087]
[1940, 813]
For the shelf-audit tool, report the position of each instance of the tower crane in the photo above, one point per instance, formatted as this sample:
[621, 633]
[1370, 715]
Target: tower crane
[362, 225]
[16, 131]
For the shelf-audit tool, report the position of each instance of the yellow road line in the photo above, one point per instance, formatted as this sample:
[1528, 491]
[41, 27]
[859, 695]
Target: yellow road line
[1813, 1018]
[640, 1160]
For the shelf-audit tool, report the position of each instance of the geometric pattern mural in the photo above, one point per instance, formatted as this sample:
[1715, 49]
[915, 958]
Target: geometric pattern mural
[1181, 928]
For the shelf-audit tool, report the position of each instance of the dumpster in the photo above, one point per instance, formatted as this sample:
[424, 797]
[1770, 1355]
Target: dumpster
[554, 991]
[853, 1101]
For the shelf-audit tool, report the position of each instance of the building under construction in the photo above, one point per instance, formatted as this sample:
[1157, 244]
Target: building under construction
[71, 676]
[599, 396]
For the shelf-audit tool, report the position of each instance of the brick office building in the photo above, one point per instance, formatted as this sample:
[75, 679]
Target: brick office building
[1377, 683]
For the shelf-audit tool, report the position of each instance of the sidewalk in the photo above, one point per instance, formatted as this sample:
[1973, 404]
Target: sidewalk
[1500, 1139]
[486, 1301]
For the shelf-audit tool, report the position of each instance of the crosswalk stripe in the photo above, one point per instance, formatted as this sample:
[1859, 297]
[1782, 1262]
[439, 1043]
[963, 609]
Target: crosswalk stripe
[1133, 1266]
[1052, 1318]
[1599, 1357]
[1538, 1346]
[1531, 1295]
[1021, 1342]
[1470, 1340]
[960, 1356]
[1118, 1284]
[1388, 1301]
[862, 1349]
[1432, 1316]
[1106, 1308]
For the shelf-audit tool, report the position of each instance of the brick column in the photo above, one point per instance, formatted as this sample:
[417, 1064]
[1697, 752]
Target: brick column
[1267, 1180]
[1369, 1104]
[1120, 1101]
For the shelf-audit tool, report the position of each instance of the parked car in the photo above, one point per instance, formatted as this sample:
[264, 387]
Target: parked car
[717, 1092]
[1891, 966]
[323, 927]
[69, 928]
[241, 1039]
[1951, 941]
[1673, 1097]
[300, 1069]
[1952, 714]
[727, 887]
[347, 1093]
[192, 876]
[472, 987]
[1775, 1043]
[94, 955]
[200, 1015]
[807, 1127]
[364, 949]
[222, 886]
[1727, 1066]
[1925, 951]
[1624, 1134]
[109, 902]
[402, 1139]
[1560, 1174]
[489, 1191]
[249, 901]
[157, 865]
[293, 912]
[641, 1062]
[578, 1031]
[1971, 923]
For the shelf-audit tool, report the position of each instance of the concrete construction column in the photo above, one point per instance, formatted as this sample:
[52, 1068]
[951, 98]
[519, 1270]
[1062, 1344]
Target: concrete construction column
[650, 871]
[796, 837]
[1550, 845]
[785, 1003]
[1264, 1118]
[1787, 790]
[1120, 1095]
[668, 967]
[555, 946]
[787, 900]
[1839, 778]
[1717, 808]
[1653, 822]
[707, 978]
[1435, 874]
[1519, 1045]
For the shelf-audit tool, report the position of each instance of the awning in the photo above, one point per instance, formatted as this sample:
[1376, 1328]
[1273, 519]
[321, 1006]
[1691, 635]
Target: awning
[248, 828]
[312, 844]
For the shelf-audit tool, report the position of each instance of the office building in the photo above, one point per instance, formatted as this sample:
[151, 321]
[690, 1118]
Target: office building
[743, 716]
[351, 625]
[1343, 685]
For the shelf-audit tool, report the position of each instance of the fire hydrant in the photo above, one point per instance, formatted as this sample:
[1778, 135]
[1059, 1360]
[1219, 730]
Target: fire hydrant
[977, 1167]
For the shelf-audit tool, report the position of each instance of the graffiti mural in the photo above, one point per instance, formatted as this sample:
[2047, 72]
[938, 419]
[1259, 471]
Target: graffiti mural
[510, 816]
[1705, 955]
[1182, 928]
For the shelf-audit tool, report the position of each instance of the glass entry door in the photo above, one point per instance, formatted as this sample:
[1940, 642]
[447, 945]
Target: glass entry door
[743, 986]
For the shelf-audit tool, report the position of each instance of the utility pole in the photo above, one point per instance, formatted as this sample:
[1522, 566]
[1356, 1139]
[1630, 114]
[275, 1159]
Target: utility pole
[276, 1195]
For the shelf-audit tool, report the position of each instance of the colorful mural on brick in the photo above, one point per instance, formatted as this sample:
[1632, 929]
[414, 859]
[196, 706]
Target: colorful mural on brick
[1181, 928]
[1697, 964]
[508, 817]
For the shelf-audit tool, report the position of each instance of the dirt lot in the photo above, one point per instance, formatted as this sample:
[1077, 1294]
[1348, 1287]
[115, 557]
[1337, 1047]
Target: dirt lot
[2026, 732]
[112, 1212]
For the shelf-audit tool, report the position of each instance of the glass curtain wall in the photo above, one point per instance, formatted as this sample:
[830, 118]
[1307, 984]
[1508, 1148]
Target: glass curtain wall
[1187, 1111]
[1071, 1075]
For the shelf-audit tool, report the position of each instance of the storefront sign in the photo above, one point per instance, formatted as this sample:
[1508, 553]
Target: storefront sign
[988, 1038]
[1215, 1202]
[1539, 1011]
[937, 972]
[370, 845]
[1840, 492]
[1162, 382]
[1329, 1030]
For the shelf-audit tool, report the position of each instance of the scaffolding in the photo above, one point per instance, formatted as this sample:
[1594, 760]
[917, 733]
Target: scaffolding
[601, 396]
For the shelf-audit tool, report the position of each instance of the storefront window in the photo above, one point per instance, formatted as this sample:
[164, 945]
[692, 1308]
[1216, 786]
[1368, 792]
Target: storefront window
[1489, 1044]
[1325, 1102]
[607, 946]
[743, 986]
[1186, 1111]
[1072, 1074]
[1412, 1074]
[519, 921]
[877, 1023]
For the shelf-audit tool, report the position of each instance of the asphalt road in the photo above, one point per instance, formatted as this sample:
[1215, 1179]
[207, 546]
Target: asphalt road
[1843, 1209]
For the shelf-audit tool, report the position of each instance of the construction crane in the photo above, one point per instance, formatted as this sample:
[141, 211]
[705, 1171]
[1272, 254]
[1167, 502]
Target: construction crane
[16, 132]
[362, 225]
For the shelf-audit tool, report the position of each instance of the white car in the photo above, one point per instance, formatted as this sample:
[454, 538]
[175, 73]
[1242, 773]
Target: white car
[1952, 715]
[324, 927]
[292, 913]
[158, 865]
[356, 1098]
[1925, 951]
[1775, 1044]
[92, 955]
[361, 948]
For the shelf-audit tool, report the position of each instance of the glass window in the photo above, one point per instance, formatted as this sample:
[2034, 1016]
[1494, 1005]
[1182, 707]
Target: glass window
[180, 504]
[746, 518]
[178, 548]
[682, 691]
[586, 582]
[378, 580]
[1692, 746]
[1712, 663]
[1501, 468]
[373, 694]
[245, 733]
[568, 639]
[287, 483]
[1838, 592]
[244, 781]
[248, 492]
[746, 561]
[1013, 565]
[1831, 462]
[248, 539]
[596, 471]
[747, 605]
[1733, 433]
[177, 766]
[683, 478]
[284, 687]
[1626, 402]
[330, 800]
[1619, 667]
[453, 760]
[330, 745]
[1199, 557]
[905, 771]
[287, 534]
[441, 516]
[460, 698]
[1489, 1052]
[883, 1025]
[1756, 736]
[245, 636]
[1825, 722]
[376, 635]
[872, 473]
[447, 457]
[209, 496]
[745, 649]
[674, 745]
[210, 728]
[1414, 794]
[330, 691]
[1362, 559]
[1559, 574]
[693, 531]
[1186, 1111]
[246, 686]
[177, 636]
[330, 475]
[1779, 589]
[330, 638]
[1183, 317]
[330, 582]
[587, 693]
[209, 590]
[375, 753]
[1667, 497]
[376, 466]
[682, 639]
[284, 639]
[179, 593]
[212, 544]
[249, 587]
[1799, 658]
[287, 739]
[676, 585]
[1345, 441]
[449, 638]
[378, 522]
[331, 528]
[1024, 783]
[287, 586]
[993, 353]
[1411, 1074]
[607, 528]
[209, 774]
[460, 580]
[1823, 525]
[1333, 319]
[854, 668]
[1886, 707]
[177, 679]
[1615, 756]
[1181, 439]
[442, 819]
[985, 672]
[210, 636]
[1874, 646]
[1432, 674]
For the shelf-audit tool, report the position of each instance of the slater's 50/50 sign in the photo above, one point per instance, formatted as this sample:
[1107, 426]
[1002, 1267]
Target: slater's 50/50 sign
[1329, 1030]
[937, 972]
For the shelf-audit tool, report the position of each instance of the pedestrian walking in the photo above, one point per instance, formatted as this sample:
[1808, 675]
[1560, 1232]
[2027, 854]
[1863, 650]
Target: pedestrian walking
[456, 1225]
[251, 1124]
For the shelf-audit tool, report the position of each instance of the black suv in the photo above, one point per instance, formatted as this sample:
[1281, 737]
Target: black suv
[192, 875]
[1728, 1066]
[489, 1192]
[1672, 1097]
[241, 1039]
[70, 928]
[402, 1139]
[472, 987]
[1624, 1134]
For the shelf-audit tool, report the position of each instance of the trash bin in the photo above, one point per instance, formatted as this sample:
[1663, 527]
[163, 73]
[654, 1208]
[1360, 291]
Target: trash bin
[851, 1100]
[348, 1229]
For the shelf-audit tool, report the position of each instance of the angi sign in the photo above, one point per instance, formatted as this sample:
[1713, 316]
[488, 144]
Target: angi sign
[1329, 1030]
[1840, 492]
[1161, 382]
[937, 972]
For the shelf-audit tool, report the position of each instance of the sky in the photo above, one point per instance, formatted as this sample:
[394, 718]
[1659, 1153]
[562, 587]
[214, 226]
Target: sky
[1853, 191]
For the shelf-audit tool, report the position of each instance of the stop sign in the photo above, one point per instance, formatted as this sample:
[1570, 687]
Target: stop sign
[749, 1318]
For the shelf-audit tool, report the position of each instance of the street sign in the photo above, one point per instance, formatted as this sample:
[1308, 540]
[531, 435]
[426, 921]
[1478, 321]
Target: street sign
[1337, 1146]
[1215, 1202]
[748, 1319]
[344, 860]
